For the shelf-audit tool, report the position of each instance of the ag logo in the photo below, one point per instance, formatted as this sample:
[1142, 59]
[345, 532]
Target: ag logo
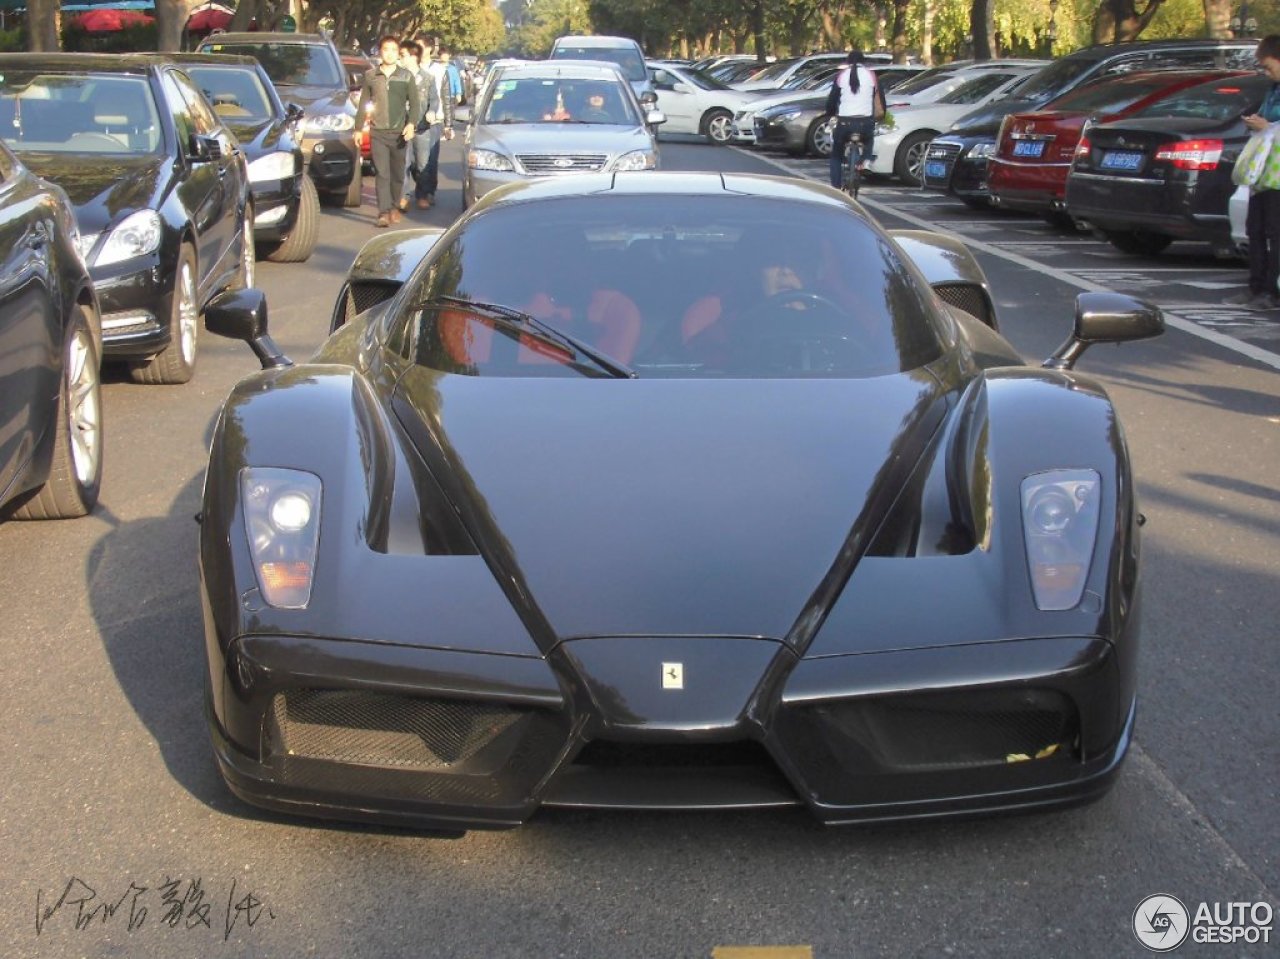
[1161, 923]
[562, 163]
[673, 675]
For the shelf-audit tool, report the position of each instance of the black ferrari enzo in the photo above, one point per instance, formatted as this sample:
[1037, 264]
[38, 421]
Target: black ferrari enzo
[669, 491]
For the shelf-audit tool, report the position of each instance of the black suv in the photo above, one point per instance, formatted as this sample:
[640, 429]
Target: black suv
[307, 70]
[957, 161]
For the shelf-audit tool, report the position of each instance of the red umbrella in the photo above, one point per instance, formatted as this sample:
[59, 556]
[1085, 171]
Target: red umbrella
[107, 21]
[210, 18]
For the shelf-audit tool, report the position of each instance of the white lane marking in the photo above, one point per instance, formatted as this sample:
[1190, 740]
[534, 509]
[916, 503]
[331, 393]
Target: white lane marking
[1209, 284]
[1256, 353]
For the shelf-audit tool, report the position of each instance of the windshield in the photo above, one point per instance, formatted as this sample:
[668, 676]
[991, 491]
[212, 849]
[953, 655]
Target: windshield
[628, 58]
[293, 64]
[705, 80]
[237, 94]
[975, 88]
[558, 100]
[773, 71]
[1217, 100]
[923, 81]
[1054, 79]
[674, 286]
[68, 113]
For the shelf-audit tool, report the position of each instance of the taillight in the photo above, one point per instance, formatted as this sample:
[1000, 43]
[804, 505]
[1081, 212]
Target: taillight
[1083, 148]
[1192, 154]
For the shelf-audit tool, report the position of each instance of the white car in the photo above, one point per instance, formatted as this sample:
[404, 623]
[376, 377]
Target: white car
[694, 102]
[932, 85]
[1237, 211]
[900, 147]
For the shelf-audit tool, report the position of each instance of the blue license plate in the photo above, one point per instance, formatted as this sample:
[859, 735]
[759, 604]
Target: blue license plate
[1120, 160]
[1028, 148]
[935, 169]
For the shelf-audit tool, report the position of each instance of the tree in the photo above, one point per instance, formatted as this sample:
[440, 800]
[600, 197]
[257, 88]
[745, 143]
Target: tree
[1119, 20]
[43, 24]
[171, 17]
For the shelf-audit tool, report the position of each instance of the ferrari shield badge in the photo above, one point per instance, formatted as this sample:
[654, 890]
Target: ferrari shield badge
[673, 675]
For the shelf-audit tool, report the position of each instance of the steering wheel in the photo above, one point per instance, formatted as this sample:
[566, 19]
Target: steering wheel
[775, 337]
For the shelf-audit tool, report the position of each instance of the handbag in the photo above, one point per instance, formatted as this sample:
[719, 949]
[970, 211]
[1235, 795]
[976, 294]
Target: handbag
[1258, 166]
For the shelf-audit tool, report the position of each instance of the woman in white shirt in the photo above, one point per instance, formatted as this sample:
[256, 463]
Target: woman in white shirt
[852, 102]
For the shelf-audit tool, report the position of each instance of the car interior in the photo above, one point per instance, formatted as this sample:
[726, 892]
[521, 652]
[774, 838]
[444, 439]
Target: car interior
[80, 115]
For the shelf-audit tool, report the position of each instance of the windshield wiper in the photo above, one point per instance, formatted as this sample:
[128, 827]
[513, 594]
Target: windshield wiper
[509, 318]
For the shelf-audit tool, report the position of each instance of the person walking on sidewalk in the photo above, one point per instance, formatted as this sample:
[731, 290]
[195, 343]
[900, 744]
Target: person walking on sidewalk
[393, 94]
[424, 153]
[441, 124]
[1262, 224]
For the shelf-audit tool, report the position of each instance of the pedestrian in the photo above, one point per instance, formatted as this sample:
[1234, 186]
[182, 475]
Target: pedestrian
[392, 93]
[1262, 224]
[451, 72]
[436, 121]
[441, 120]
[851, 101]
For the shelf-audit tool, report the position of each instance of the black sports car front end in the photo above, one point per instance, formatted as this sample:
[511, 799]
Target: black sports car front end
[550, 555]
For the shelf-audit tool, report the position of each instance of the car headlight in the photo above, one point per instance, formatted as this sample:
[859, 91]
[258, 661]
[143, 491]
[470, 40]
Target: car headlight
[979, 151]
[636, 160]
[785, 116]
[85, 243]
[488, 160]
[136, 235]
[741, 115]
[328, 123]
[282, 522]
[1060, 511]
[273, 166]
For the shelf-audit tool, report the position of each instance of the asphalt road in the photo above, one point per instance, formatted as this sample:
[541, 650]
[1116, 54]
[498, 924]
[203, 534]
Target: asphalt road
[107, 783]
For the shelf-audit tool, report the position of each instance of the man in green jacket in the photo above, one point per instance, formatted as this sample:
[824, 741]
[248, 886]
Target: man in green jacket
[389, 101]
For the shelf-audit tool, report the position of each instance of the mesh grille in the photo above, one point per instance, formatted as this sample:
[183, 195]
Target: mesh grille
[943, 151]
[562, 162]
[967, 297]
[365, 296]
[375, 729]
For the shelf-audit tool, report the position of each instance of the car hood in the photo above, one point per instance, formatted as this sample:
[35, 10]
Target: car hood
[933, 115]
[258, 137]
[560, 138]
[103, 193]
[317, 101]
[986, 118]
[668, 507]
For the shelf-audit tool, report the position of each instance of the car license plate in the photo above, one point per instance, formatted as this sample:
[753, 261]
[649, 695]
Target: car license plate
[935, 169]
[1028, 148]
[1120, 160]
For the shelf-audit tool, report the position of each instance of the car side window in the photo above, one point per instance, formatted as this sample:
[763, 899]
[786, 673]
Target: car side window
[183, 122]
[206, 123]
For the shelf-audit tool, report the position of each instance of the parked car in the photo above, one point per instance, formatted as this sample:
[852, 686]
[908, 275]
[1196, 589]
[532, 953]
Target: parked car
[957, 161]
[527, 456]
[50, 363]
[555, 118]
[1238, 213]
[307, 71]
[160, 187]
[903, 137]
[696, 103]
[778, 74]
[623, 51]
[1164, 173]
[1035, 150]
[286, 207]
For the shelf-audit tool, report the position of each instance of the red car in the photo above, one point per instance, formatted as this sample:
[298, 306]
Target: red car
[1034, 150]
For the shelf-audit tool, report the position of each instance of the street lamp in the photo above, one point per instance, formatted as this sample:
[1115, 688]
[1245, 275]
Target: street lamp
[1242, 24]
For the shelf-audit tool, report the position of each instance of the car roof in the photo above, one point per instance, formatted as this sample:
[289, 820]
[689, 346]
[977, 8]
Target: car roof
[88, 62]
[213, 59]
[597, 41]
[585, 69]
[664, 183]
[1108, 50]
[267, 37]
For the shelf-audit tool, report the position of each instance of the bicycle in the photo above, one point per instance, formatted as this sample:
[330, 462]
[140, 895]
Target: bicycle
[850, 174]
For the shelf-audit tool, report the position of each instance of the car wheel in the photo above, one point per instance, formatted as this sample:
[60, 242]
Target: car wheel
[177, 362]
[908, 163]
[1138, 242]
[354, 188]
[75, 472]
[248, 254]
[718, 126]
[297, 246]
[821, 136]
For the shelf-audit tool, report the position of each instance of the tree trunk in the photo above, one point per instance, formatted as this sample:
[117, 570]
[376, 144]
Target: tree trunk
[1118, 21]
[171, 17]
[980, 26]
[44, 24]
[798, 31]
[757, 29]
[1217, 17]
[246, 12]
[901, 9]
[882, 18]
[926, 33]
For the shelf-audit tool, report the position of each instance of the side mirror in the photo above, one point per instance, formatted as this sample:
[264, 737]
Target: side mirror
[242, 315]
[293, 113]
[655, 117]
[648, 99]
[203, 149]
[1106, 318]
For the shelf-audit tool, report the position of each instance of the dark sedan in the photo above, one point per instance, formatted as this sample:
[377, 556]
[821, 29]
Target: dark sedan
[1164, 174]
[624, 492]
[50, 395]
[160, 189]
[286, 207]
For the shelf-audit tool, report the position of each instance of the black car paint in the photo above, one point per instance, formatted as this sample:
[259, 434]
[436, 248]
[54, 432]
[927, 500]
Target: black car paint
[200, 202]
[836, 544]
[42, 282]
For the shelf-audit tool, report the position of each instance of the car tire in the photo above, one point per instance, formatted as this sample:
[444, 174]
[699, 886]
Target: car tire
[908, 162]
[75, 471]
[248, 271]
[177, 362]
[717, 126]
[301, 241]
[1061, 221]
[818, 138]
[976, 202]
[354, 189]
[1138, 242]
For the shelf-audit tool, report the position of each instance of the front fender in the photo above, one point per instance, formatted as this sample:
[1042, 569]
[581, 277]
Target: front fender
[952, 271]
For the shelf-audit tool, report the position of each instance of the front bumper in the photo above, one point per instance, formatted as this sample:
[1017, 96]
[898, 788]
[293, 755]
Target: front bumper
[275, 207]
[448, 740]
[332, 160]
[135, 298]
[951, 165]
[771, 134]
